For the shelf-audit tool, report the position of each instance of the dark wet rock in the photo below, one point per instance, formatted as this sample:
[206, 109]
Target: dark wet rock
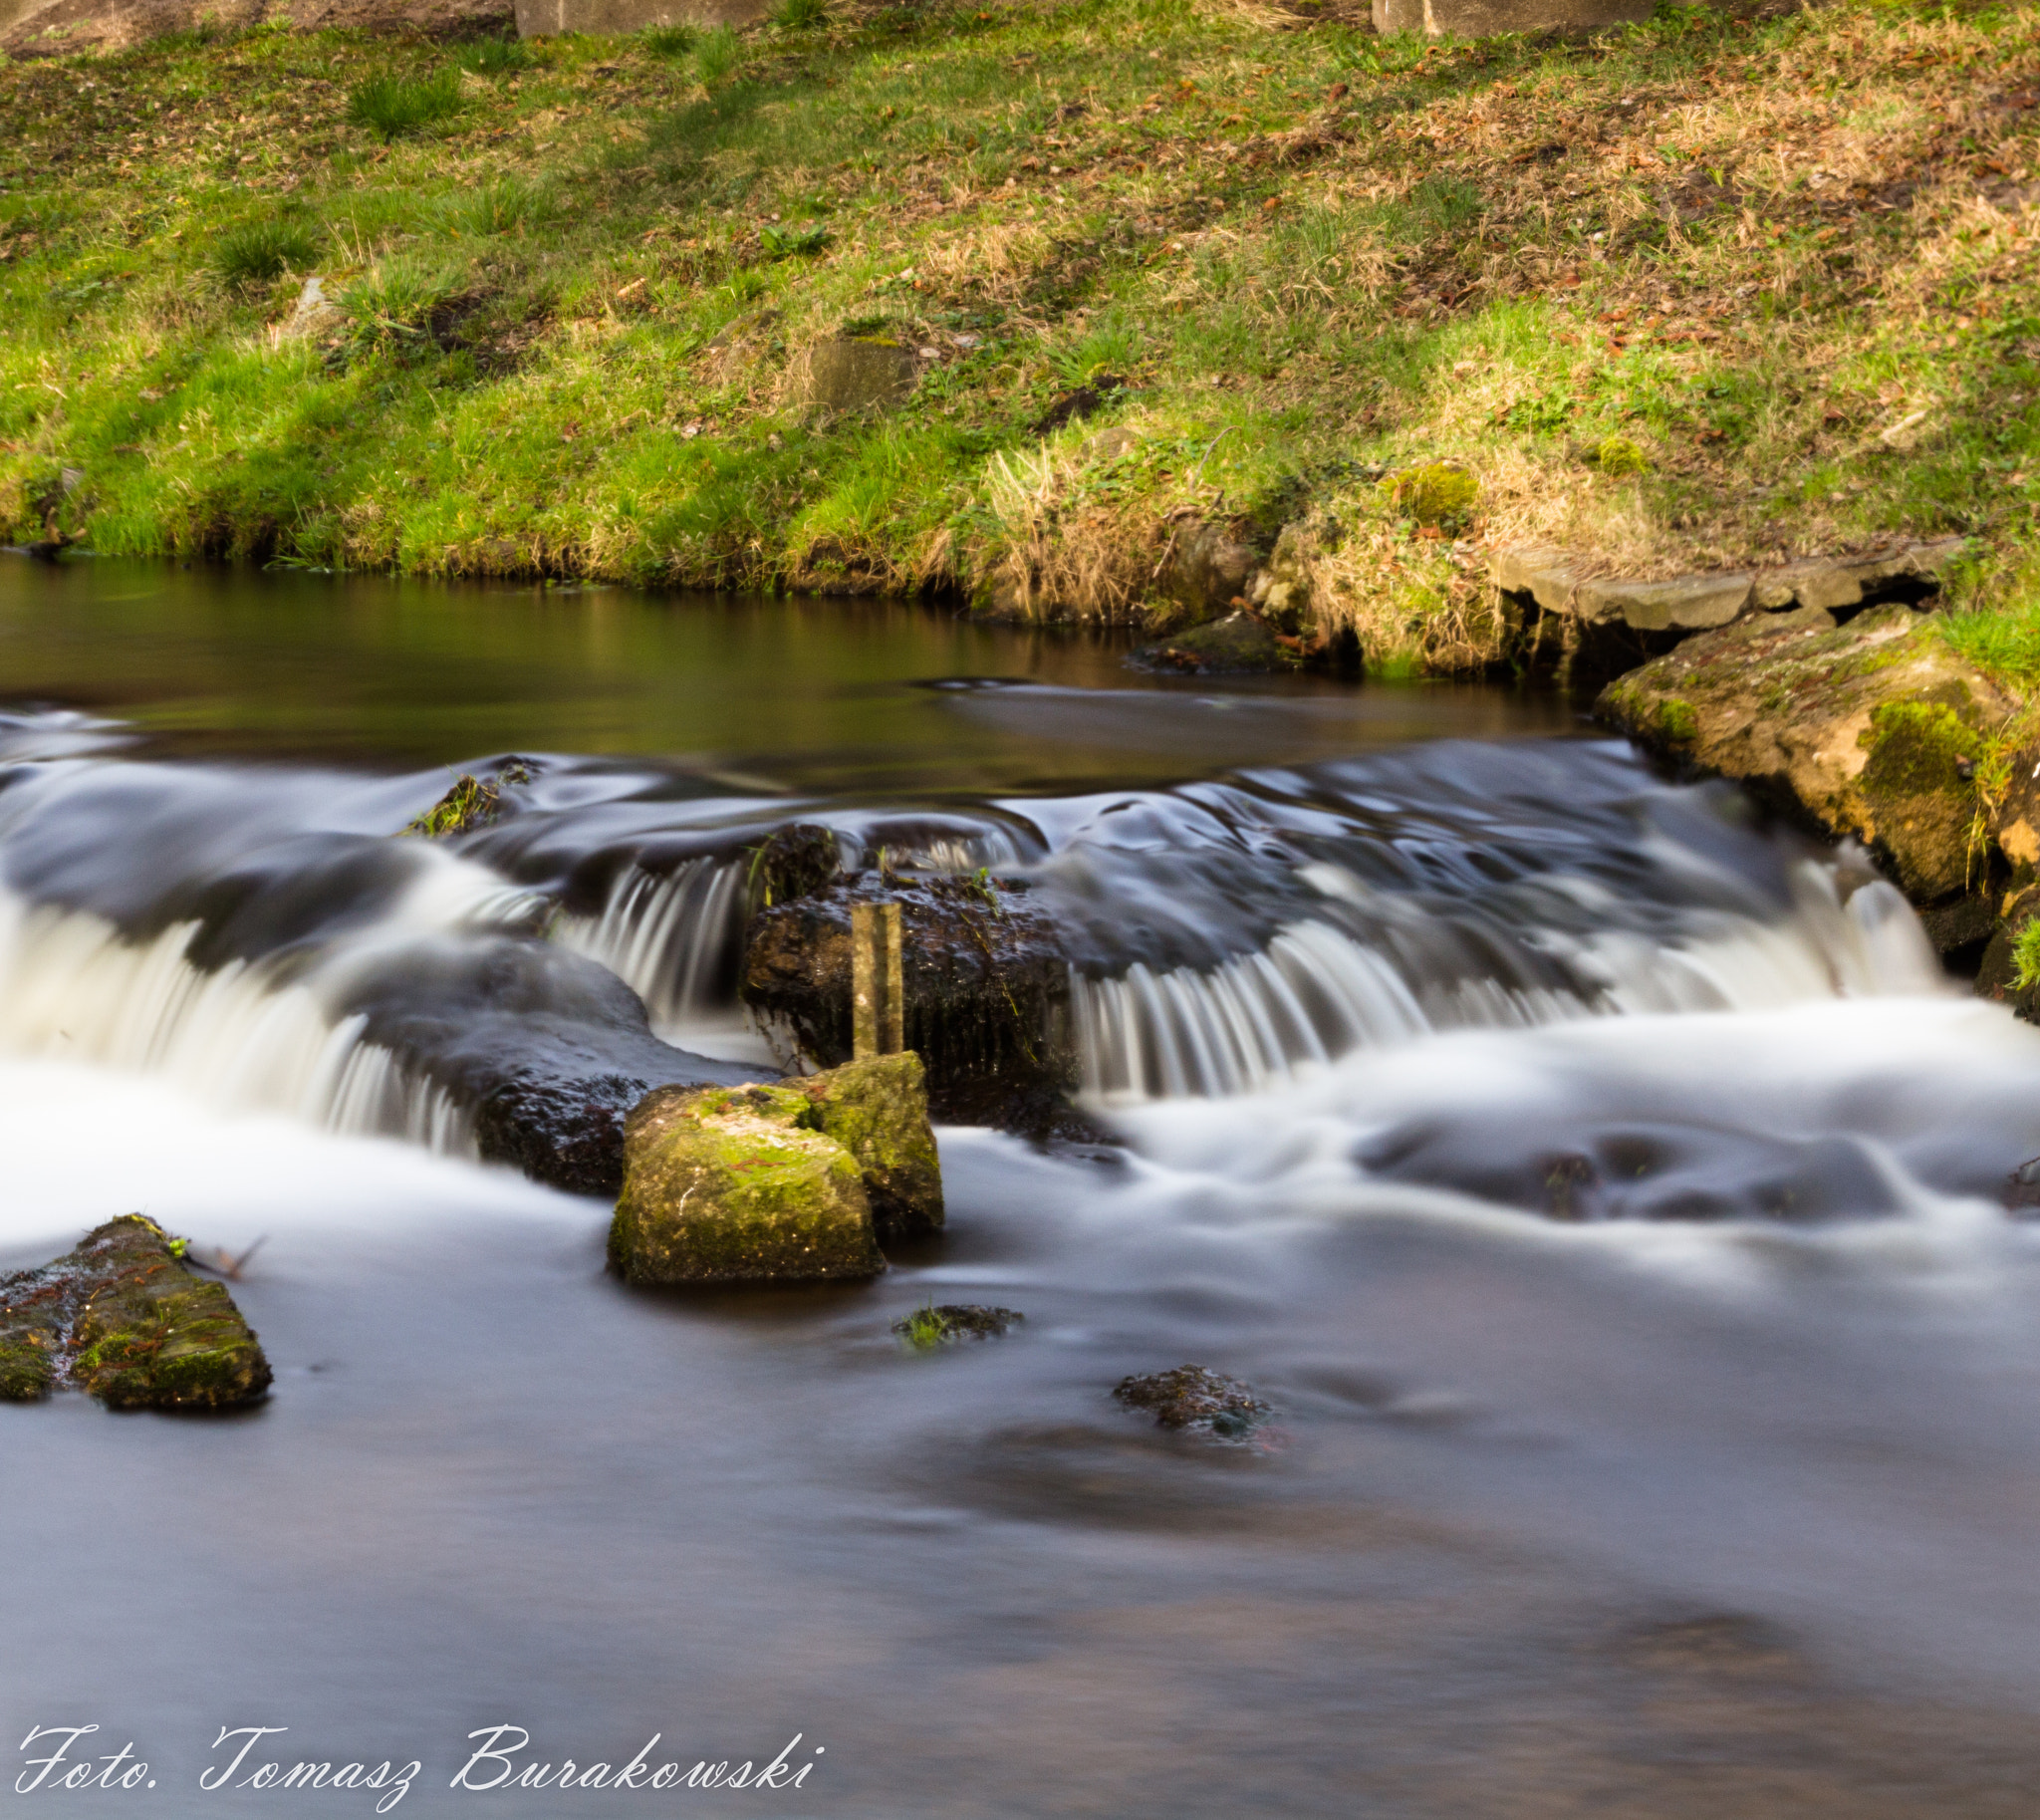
[543, 1050]
[1241, 643]
[122, 1319]
[733, 1185]
[2022, 1190]
[1999, 975]
[940, 1323]
[878, 1109]
[471, 803]
[1191, 1396]
[985, 982]
[796, 861]
[1872, 729]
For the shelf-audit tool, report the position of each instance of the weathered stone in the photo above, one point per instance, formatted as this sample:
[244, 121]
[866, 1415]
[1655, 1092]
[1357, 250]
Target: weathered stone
[1689, 603]
[1870, 729]
[1190, 1396]
[1698, 602]
[1488, 17]
[1204, 569]
[1280, 593]
[1240, 643]
[315, 313]
[847, 374]
[878, 1109]
[122, 1318]
[728, 1184]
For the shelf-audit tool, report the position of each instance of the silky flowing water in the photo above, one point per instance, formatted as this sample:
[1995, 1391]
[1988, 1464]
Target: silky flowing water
[1600, 1183]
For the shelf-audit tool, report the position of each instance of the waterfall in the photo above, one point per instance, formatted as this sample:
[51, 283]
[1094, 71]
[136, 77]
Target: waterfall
[1318, 991]
[255, 1036]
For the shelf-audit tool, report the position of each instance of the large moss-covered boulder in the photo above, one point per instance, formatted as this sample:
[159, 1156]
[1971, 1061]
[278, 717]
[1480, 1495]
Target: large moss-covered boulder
[122, 1318]
[734, 1184]
[1875, 728]
[878, 1109]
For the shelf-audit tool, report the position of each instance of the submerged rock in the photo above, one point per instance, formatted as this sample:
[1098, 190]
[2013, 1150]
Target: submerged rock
[984, 976]
[734, 1185]
[122, 1319]
[938, 1324]
[1241, 643]
[543, 1050]
[1191, 1396]
[1872, 729]
[471, 803]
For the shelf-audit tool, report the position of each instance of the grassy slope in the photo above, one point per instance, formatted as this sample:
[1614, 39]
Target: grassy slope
[1782, 265]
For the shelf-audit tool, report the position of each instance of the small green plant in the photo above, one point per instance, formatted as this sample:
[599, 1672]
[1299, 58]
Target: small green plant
[495, 56]
[671, 41]
[395, 297]
[1435, 494]
[389, 106]
[801, 15]
[500, 207]
[258, 251]
[2026, 955]
[718, 53]
[928, 1327]
[785, 242]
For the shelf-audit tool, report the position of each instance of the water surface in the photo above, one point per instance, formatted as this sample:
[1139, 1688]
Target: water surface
[1600, 1182]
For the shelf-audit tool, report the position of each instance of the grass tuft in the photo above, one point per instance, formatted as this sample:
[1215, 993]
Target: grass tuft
[390, 106]
[719, 52]
[259, 252]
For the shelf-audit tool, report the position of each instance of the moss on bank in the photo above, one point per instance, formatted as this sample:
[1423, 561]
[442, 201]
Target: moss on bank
[1698, 292]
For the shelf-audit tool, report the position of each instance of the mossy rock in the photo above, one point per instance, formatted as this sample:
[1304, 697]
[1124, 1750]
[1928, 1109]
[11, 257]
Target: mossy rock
[850, 374]
[878, 1109]
[1877, 729]
[122, 1319]
[728, 1184]
[1240, 643]
[1437, 494]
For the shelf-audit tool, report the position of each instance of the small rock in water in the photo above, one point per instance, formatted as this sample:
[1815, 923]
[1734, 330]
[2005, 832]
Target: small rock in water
[936, 1324]
[1193, 1398]
[472, 803]
[122, 1319]
[2022, 1190]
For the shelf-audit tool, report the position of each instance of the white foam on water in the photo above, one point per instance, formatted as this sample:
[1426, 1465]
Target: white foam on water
[257, 1036]
[1316, 992]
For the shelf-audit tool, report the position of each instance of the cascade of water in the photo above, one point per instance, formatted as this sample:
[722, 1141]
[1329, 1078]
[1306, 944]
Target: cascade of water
[672, 938]
[1320, 992]
[256, 1035]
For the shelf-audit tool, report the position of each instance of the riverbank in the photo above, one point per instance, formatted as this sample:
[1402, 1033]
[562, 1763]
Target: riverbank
[1125, 294]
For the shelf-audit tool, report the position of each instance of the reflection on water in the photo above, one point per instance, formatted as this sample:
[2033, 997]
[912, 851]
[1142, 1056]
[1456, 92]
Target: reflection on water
[815, 692]
[1599, 1184]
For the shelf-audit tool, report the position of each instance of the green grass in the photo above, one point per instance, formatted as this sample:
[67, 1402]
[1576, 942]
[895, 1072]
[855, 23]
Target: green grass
[1712, 291]
[257, 252]
[390, 106]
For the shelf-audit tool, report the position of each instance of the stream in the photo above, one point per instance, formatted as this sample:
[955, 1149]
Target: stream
[1600, 1182]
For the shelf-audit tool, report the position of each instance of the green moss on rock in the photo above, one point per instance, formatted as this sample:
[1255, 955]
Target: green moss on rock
[122, 1318]
[728, 1185]
[1917, 748]
[878, 1109]
[1676, 721]
[1436, 494]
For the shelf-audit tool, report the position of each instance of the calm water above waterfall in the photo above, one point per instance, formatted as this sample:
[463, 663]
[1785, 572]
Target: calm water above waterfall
[1601, 1183]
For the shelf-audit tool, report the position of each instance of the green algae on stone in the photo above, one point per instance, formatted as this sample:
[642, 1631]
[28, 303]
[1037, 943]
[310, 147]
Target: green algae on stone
[727, 1185]
[1437, 494]
[122, 1318]
[878, 1109]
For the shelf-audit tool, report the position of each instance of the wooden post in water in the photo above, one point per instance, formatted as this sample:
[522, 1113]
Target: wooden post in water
[877, 991]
